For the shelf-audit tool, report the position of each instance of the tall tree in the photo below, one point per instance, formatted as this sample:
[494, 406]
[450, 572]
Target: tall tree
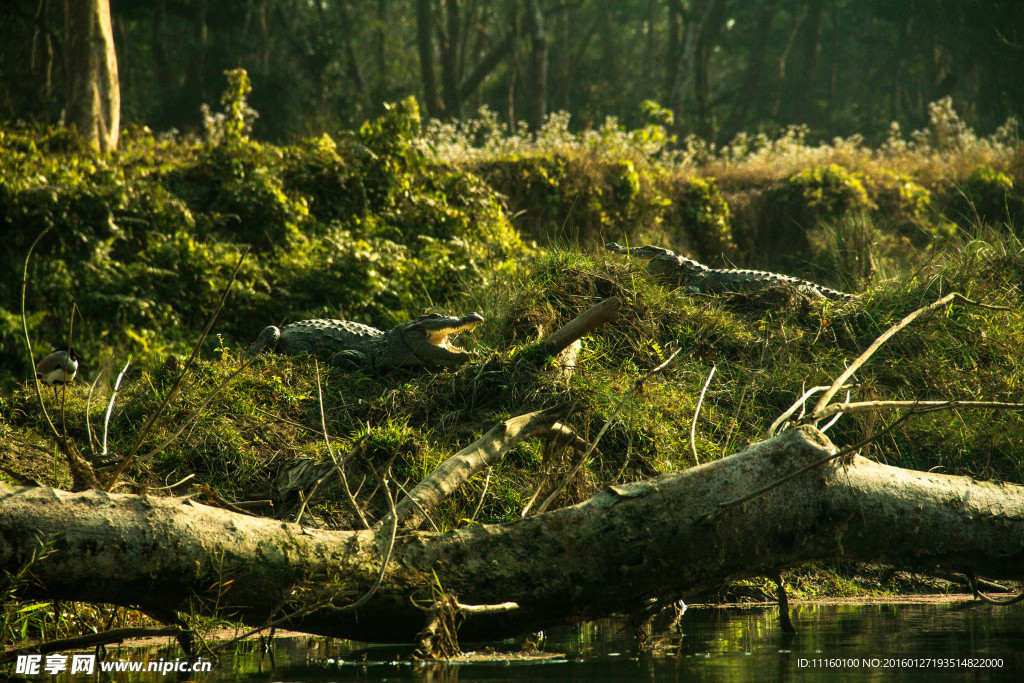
[452, 22]
[93, 89]
[425, 44]
[799, 99]
[841, 66]
[701, 66]
[696, 21]
[537, 93]
[754, 72]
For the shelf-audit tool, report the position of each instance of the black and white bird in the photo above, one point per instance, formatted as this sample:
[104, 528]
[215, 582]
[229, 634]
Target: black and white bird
[59, 367]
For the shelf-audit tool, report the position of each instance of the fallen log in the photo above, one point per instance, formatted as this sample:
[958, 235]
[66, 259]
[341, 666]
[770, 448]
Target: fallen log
[660, 540]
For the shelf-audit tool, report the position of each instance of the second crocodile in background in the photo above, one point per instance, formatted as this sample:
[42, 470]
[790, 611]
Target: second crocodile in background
[718, 280]
[426, 340]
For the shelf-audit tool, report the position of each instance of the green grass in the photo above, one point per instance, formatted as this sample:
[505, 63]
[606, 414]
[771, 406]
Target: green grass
[269, 417]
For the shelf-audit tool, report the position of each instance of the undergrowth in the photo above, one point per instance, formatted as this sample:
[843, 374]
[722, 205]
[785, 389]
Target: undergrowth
[766, 348]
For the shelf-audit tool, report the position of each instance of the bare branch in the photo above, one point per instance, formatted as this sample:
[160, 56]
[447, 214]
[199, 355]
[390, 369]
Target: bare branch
[387, 553]
[884, 337]
[488, 450]
[82, 473]
[337, 463]
[972, 581]
[793, 408]
[487, 609]
[116, 635]
[696, 412]
[419, 508]
[923, 406]
[110, 407]
[24, 328]
[88, 409]
[835, 419]
[483, 494]
[593, 317]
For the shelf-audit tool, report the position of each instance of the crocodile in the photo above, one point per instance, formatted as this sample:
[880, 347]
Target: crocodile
[425, 340]
[701, 278]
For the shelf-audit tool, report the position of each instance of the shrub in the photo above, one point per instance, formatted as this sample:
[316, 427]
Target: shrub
[988, 196]
[705, 219]
[234, 192]
[806, 200]
[907, 209]
[316, 169]
[581, 199]
[144, 242]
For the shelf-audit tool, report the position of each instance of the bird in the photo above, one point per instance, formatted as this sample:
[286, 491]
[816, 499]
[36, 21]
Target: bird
[59, 367]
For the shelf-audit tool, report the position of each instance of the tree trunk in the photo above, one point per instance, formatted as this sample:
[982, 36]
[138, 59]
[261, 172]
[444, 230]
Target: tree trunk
[42, 45]
[674, 47]
[93, 90]
[537, 88]
[702, 82]
[380, 58]
[800, 92]
[195, 77]
[161, 66]
[355, 74]
[684, 52]
[488, 62]
[451, 38]
[425, 44]
[750, 92]
[657, 540]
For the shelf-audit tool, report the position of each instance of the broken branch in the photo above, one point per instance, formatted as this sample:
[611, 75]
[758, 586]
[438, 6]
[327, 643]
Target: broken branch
[593, 317]
[486, 451]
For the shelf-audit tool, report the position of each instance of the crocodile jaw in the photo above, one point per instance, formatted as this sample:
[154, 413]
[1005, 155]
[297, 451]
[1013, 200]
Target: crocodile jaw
[431, 338]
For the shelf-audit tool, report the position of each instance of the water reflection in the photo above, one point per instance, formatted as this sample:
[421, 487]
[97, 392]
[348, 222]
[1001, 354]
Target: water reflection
[834, 642]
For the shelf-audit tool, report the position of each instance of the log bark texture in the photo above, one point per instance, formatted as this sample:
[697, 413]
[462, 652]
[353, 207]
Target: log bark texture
[659, 539]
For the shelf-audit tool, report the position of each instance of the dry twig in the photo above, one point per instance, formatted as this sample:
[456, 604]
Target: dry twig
[593, 317]
[696, 412]
[816, 414]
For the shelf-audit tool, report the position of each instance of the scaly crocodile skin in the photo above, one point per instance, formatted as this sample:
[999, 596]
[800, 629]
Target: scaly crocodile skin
[422, 341]
[718, 280]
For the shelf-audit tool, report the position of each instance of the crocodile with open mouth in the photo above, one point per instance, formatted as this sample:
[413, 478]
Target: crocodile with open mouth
[425, 340]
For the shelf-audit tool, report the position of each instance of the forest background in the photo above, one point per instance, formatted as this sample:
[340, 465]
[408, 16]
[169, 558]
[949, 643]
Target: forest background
[838, 67]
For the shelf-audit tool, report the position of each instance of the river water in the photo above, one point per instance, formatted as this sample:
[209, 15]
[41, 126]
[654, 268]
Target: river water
[887, 641]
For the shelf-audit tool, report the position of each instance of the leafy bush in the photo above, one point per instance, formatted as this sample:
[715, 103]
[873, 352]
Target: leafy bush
[705, 219]
[235, 193]
[906, 209]
[988, 196]
[144, 242]
[805, 201]
[585, 199]
[821, 193]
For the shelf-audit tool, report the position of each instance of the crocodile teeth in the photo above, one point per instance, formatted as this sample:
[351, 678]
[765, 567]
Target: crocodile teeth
[445, 340]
